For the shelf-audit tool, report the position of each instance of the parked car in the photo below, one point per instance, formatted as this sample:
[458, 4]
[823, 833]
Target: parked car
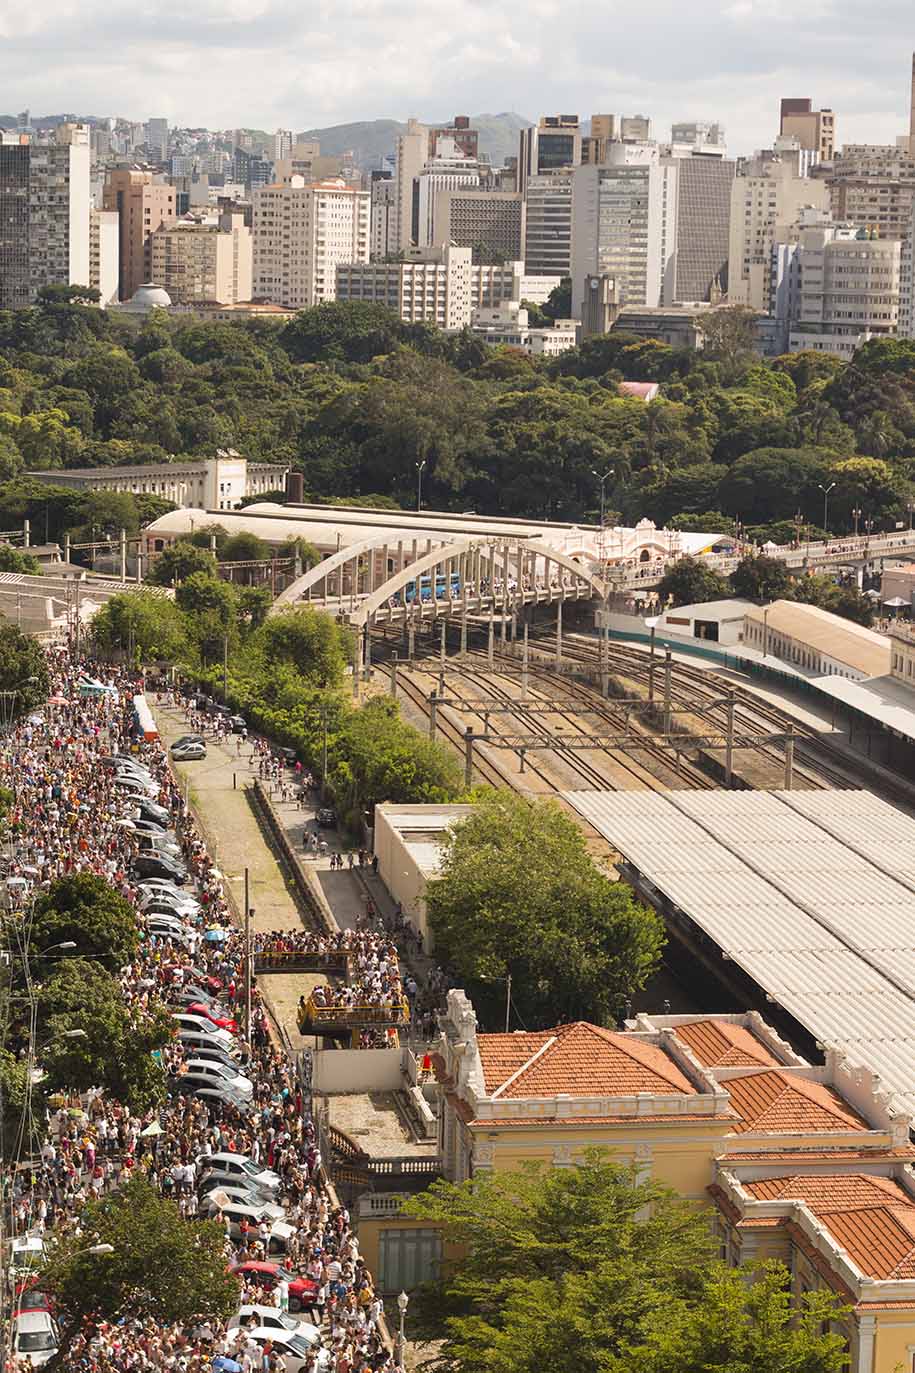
[189, 739]
[203, 1046]
[188, 753]
[268, 1275]
[163, 886]
[199, 1025]
[216, 1014]
[159, 865]
[35, 1337]
[158, 843]
[135, 786]
[274, 1319]
[218, 1072]
[298, 1353]
[165, 905]
[244, 1209]
[150, 810]
[229, 1166]
[214, 1095]
[238, 724]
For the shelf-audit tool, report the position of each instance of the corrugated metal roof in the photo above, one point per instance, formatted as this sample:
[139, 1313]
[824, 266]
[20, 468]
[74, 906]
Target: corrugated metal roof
[811, 893]
[884, 699]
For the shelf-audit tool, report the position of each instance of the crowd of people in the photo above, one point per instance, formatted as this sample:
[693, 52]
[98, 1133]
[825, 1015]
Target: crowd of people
[66, 817]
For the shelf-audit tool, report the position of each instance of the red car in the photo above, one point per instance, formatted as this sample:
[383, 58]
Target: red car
[267, 1275]
[32, 1298]
[224, 1022]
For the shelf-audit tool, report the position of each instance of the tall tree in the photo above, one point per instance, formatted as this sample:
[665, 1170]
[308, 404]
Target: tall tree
[689, 582]
[586, 1270]
[24, 677]
[160, 1268]
[179, 561]
[151, 625]
[519, 894]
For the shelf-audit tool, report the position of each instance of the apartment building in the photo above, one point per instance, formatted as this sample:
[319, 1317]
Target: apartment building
[441, 286]
[815, 130]
[873, 185]
[103, 255]
[301, 231]
[766, 199]
[44, 213]
[834, 286]
[906, 326]
[489, 222]
[383, 216]
[142, 205]
[204, 257]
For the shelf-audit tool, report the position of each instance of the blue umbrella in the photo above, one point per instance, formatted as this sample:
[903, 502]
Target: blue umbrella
[216, 936]
[225, 1365]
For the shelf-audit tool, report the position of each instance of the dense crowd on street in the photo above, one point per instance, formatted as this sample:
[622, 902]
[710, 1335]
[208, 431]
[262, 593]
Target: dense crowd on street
[68, 816]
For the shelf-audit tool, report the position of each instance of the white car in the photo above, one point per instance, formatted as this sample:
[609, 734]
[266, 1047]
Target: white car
[295, 1349]
[220, 1075]
[199, 1025]
[230, 1166]
[231, 1194]
[237, 1211]
[271, 1318]
[183, 906]
[189, 752]
[26, 1257]
[35, 1337]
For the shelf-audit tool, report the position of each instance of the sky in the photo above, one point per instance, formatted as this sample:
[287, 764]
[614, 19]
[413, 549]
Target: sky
[284, 63]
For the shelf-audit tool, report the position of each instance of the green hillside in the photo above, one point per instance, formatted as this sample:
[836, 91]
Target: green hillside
[369, 140]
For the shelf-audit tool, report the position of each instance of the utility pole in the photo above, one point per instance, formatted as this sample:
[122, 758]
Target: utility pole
[225, 667]
[729, 748]
[789, 758]
[324, 756]
[248, 914]
[433, 712]
[668, 668]
[524, 663]
[76, 625]
[443, 651]
[420, 468]
[651, 669]
[490, 642]
[123, 556]
[468, 757]
[508, 998]
[394, 674]
[559, 631]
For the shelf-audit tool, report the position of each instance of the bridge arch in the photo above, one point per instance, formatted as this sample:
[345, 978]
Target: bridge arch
[494, 555]
[298, 590]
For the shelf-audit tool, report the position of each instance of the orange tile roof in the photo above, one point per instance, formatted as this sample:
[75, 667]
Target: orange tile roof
[871, 1218]
[879, 1151]
[537, 1122]
[719, 1044]
[578, 1059]
[779, 1103]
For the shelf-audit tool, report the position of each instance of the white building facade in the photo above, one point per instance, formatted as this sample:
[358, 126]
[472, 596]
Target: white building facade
[301, 232]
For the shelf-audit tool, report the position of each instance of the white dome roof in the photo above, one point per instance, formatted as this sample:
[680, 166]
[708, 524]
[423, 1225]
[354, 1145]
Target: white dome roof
[148, 297]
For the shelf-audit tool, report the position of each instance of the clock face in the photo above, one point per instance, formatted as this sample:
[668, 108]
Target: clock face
[594, 283]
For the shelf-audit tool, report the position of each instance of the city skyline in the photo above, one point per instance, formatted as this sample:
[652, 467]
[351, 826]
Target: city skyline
[725, 61]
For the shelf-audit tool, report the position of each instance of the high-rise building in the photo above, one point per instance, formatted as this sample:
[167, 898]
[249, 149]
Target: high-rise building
[142, 206]
[906, 326]
[490, 223]
[384, 210]
[411, 156]
[301, 231]
[465, 138]
[548, 224]
[103, 255]
[873, 185]
[814, 129]
[157, 139]
[44, 213]
[767, 198]
[835, 285]
[204, 257]
[635, 128]
[604, 129]
[549, 146]
[701, 198]
[280, 145]
[449, 170]
[912, 112]
[616, 225]
[251, 169]
[699, 133]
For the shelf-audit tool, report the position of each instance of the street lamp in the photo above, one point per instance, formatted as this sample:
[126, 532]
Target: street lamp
[826, 490]
[96, 1249]
[403, 1301]
[420, 468]
[857, 513]
[603, 482]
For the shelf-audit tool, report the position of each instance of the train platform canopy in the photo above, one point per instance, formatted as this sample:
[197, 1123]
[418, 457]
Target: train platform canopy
[886, 701]
[810, 893]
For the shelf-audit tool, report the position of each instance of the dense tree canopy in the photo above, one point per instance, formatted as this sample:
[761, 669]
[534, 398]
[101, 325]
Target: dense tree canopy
[24, 680]
[353, 398]
[584, 1269]
[519, 894]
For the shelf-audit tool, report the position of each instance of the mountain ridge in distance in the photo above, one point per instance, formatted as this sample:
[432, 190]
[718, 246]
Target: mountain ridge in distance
[370, 139]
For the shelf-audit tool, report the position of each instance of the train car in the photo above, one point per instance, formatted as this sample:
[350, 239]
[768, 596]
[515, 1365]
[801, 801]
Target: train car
[441, 587]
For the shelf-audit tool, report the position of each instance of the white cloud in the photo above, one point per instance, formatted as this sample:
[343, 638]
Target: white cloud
[269, 63]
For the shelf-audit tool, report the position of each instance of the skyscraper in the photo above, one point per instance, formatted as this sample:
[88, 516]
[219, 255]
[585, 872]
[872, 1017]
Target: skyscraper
[44, 213]
[813, 129]
[410, 158]
[301, 231]
[142, 205]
